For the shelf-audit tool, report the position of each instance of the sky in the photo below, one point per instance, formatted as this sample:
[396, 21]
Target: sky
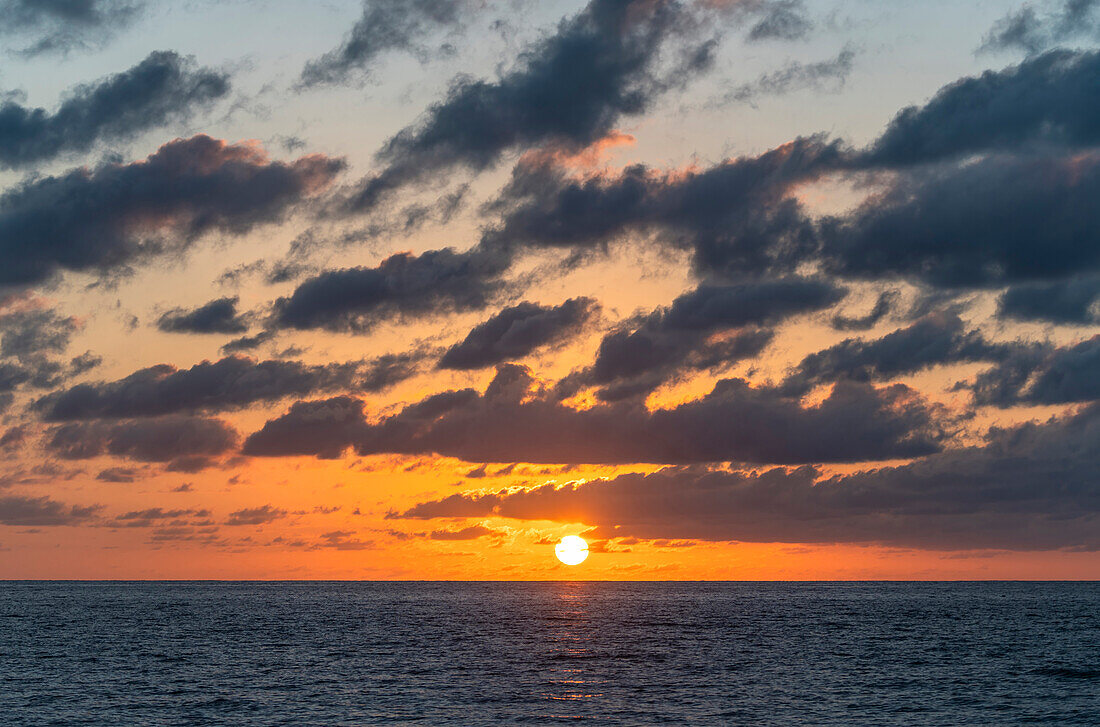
[411, 289]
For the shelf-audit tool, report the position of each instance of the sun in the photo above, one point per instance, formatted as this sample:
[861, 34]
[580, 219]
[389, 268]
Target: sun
[572, 550]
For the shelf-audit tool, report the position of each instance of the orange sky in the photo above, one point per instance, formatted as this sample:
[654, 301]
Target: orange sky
[263, 176]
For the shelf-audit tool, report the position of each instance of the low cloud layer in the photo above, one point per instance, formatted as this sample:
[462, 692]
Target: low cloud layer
[188, 442]
[42, 511]
[511, 422]
[231, 383]
[1027, 488]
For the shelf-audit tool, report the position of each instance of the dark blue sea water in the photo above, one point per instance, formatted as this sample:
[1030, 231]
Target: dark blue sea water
[543, 653]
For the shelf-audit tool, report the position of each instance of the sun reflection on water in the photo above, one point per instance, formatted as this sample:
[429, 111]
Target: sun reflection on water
[570, 636]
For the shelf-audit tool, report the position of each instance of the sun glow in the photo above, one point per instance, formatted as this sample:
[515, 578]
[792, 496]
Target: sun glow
[572, 550]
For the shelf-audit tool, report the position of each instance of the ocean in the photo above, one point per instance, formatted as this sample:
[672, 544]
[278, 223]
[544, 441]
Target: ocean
[350, 653]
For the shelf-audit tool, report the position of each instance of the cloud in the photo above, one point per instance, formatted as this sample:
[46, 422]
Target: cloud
[993, 221]
[60, 26]
[795, 76]
[783, 20]
[513, 422]
[471, 533]
[736, 217]
[31, 342]
[186, 534]
[322, 428]
[648, 350]
[256, 515]
[217, 316]
[42, 511]
[1026, 29]
[1031, 487]
[248, 343]
[13, 438]
[517, 331]
[116, 215]
[402, 286]
[1048, 99]
[1043, 375]
[162, 89]
[569, 89]
[935, 340]
[231, 383]
[155, 517]
[120, 475]
[385, 25]
[883, 305]
[344, 540]
[1071, 302]
[1011, 215]
[29, 333]
[165, 439]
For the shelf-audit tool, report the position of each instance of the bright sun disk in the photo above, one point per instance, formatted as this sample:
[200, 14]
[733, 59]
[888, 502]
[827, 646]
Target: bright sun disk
[572, 550]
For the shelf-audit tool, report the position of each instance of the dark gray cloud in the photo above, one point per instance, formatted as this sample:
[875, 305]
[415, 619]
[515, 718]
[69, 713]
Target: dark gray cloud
[752, 302]
[1014, 215]
[1043, 375]
[84, 363]
[1049, 99]
[344, 540]
[737, 217]
[782, 20]
[991, 222]
[27, 334]
[156, 517]
[517, 331]
[569, 89]
[644, 352]
[13, 438]
[385, 25]
[1033, 31]
[116, 215]
[472, 532]
[231, 383]
[162, 89]
[59, 26]
[336, 424]
[883, 305]
[514, 422]
[247, 343]
[1006, 169]
[148, 440]
[1074, 302]
[795, 76]
[256, 515]
[118, 475]
[935, 340]
[42, 511]
[31, 343]
[1032, 487]
[402, 286]
[217, 316]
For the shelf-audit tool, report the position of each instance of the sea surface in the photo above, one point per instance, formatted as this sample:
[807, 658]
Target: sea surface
[546, 653]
